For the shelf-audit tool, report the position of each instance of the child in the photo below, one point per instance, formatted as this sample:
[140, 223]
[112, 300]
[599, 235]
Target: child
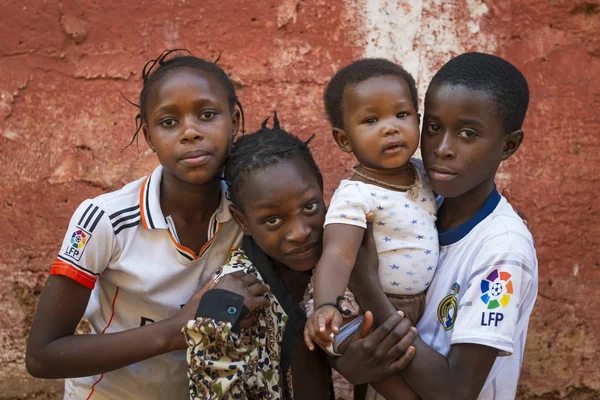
[283, 223]
[473, 331]
[131, 259]
[372, 107]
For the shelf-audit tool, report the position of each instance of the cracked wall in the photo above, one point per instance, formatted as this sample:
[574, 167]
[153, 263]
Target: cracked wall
[63, 124]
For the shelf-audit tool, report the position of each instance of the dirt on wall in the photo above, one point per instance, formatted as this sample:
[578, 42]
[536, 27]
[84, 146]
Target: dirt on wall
[63, 125]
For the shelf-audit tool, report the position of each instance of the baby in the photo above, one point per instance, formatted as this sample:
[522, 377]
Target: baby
[372, 107]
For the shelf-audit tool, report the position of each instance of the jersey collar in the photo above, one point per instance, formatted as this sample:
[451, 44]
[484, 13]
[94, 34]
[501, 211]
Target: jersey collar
[456, 234]
[151, 214]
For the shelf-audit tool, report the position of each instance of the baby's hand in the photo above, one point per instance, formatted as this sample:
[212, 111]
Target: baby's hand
[319, 327]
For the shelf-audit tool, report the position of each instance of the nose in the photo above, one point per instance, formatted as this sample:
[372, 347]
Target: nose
[390, 129]
[444, 148]
[298, 230]
[191, 131]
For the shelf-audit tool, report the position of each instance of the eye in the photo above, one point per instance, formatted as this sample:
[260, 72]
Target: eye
[206, 115]
[433, 128]
[402, 114]
[311, 207]
[370, 120]
[168, 122]
[273, 222]
[467, 133]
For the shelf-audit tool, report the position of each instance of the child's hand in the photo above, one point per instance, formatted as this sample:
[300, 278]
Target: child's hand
[319, 327]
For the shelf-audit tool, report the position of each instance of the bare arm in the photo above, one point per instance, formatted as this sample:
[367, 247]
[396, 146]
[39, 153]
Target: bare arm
[430, 374]
[340, 247]
[54, 351]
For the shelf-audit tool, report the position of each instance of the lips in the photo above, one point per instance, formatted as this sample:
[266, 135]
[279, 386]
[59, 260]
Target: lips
[392, 146]
[303, 250]
[195, 158]
[441, 173]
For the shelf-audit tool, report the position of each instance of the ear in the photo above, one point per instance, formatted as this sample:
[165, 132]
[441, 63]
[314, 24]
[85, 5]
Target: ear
[341, 139]
[235, 123]
[511, 143]
[147, 137]
[240, 218]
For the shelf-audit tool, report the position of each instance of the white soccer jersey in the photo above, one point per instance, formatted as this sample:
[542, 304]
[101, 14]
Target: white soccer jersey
[483, 292]
[122, 246]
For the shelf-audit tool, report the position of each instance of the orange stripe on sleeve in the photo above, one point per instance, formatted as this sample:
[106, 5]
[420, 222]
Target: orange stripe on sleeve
[62, 268]
[142, 203]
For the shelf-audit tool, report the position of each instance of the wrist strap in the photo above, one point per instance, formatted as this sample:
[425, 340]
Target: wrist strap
[337, 305]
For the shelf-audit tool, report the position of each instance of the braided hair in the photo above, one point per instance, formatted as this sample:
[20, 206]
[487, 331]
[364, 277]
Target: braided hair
[261, 149]
[156, 69]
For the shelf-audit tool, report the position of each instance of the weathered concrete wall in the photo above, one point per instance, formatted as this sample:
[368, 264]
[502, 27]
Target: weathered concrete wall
[63, 123]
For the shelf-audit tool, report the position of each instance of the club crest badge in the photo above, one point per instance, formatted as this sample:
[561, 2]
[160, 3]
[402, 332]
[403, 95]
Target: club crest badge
[448, 308]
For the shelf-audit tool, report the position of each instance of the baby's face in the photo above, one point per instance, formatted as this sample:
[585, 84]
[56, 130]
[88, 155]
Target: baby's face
[381, 122]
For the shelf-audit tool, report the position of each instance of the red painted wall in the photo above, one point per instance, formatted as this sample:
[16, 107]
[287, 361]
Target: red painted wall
[63, 124]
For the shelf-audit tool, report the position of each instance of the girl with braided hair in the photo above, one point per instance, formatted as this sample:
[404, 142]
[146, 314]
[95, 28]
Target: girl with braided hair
[133, 261]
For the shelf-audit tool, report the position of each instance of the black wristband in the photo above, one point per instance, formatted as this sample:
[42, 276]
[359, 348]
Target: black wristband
[337, 305]
[223, 305]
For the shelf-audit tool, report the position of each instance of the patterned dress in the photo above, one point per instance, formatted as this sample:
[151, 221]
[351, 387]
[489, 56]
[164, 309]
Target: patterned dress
[254, 363]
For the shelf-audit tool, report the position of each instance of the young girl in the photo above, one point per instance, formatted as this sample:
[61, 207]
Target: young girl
[372, 106]
[133, 258]
[283, 222]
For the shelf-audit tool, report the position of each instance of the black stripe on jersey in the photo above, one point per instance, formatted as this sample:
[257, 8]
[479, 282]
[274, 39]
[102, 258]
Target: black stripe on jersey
[185, 255]
[123, 211]
[87, 221]
[96, 221]
[148, 203]
[76, 265]
[84, 214]
[125, 218]
[130, 225]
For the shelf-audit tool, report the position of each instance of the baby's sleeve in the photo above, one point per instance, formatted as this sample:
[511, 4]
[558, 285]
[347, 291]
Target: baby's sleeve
[87, 246]
[348, 206]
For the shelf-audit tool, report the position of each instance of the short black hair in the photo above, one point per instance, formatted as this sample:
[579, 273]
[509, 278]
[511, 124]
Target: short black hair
[150, 76]
[357, 72]
[491, 74]
[263, 148]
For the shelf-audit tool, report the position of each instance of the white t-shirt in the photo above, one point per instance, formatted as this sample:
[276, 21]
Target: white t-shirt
[122, 246]
[403, 228]
[484, 290]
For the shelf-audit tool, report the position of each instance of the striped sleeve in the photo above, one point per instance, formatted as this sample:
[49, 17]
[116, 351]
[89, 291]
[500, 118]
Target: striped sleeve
[87, 246]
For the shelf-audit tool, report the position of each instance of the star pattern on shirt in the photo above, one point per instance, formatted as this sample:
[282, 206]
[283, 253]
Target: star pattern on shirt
[403, 225]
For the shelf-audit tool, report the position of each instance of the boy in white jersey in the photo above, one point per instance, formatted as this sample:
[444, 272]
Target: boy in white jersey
[472, 334]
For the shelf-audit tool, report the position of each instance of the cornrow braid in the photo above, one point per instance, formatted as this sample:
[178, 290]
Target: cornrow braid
[155, 70]
[263, 148]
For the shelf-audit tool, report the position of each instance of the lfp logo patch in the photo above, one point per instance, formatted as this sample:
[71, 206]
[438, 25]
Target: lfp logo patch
[79, 239]
[496, 289]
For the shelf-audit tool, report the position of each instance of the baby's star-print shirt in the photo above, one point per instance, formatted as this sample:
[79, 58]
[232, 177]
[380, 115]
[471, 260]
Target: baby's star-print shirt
[228, 363]
[403, 228]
